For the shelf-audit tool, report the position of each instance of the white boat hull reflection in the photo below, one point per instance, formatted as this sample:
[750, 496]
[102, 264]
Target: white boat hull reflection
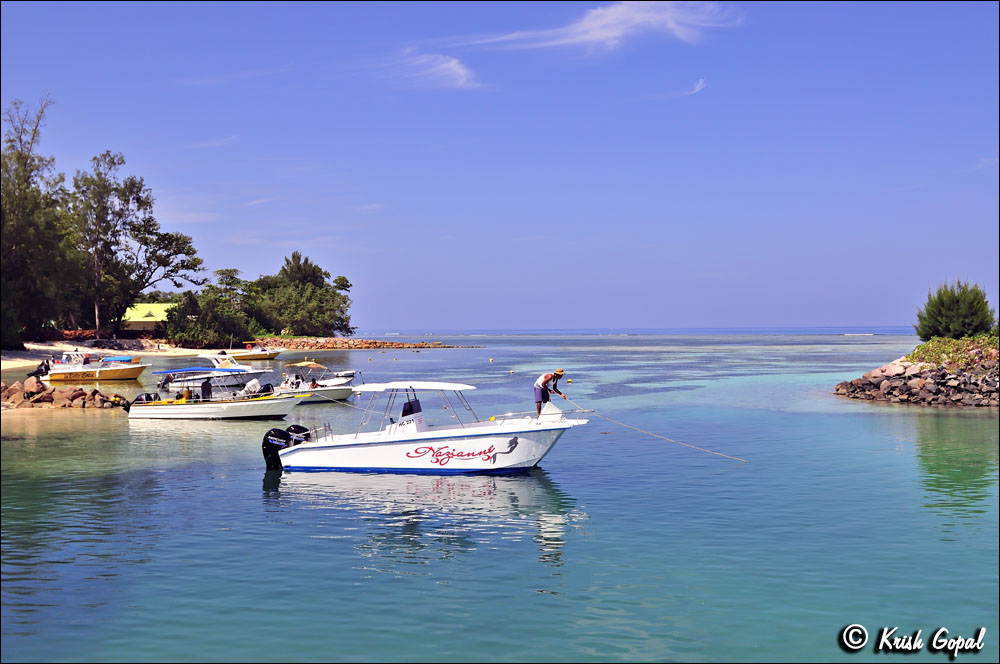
[426, 516]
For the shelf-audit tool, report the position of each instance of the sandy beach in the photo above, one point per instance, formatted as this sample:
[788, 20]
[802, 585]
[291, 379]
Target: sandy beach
[35, 352]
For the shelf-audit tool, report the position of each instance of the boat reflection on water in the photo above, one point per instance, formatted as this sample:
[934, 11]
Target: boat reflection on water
[417, 518]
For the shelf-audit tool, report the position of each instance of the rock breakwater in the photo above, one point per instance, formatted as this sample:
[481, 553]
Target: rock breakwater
[341, 343]
[902, 381]
[33, 393]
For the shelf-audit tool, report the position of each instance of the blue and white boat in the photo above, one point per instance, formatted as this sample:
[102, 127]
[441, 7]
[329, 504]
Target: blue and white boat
[501, 444]
[224, 372]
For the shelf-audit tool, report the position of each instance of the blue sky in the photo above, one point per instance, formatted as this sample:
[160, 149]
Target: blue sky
[534, 165]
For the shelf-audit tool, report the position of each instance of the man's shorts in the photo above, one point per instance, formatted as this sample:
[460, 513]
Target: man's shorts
[541, 395]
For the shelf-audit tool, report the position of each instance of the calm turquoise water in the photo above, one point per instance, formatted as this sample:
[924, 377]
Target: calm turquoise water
[165, 541]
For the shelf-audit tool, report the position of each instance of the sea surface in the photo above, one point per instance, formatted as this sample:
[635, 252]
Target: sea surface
[165, 541]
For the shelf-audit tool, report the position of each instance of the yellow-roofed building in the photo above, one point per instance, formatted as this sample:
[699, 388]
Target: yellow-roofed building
[144, 317]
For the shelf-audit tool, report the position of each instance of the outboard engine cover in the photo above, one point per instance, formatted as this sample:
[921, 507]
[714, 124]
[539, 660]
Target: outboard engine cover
[41, 369]
[299, 433]
[412, 416]
[274, 441]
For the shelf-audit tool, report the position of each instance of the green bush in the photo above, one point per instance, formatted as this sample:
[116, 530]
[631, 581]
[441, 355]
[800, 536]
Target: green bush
[955, 312]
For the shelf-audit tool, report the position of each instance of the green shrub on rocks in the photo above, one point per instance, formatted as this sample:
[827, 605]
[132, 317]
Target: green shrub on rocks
[955, 312]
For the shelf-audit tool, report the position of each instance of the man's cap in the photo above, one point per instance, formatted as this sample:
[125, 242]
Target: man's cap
[559, 372]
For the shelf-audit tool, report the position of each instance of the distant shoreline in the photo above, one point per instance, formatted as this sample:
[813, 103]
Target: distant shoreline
[35, 352]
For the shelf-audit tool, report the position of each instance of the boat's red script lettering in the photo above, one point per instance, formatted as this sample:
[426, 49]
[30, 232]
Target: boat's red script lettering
[442, 455]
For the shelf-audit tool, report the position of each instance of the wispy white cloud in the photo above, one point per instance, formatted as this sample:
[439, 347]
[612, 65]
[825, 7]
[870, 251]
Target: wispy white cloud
[190, 217]
[610, 25]
[313, 241]
[433, 70]
[257, 201]
[369, 207]
[209, 80]
[213, 143]
[698, 87]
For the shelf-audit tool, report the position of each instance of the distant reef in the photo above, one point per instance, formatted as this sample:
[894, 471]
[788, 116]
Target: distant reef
[965, 380]
[341, 343]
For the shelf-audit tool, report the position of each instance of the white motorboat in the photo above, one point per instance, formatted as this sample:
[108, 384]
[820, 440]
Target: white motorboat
[224, 372]
[502, 444]
[77, 366]
[252, 402]
[316, 383]
[251, 352]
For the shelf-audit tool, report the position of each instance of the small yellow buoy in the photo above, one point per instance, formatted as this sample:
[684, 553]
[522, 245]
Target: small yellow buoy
[491, 360]
[569, 380]
[512, 371]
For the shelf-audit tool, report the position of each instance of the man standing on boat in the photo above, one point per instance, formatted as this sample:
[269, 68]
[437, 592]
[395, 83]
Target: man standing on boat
[547, 382]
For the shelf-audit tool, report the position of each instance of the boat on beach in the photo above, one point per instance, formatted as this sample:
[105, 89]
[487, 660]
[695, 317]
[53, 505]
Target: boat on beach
[513, 442]
[316, 383]
[77, 366]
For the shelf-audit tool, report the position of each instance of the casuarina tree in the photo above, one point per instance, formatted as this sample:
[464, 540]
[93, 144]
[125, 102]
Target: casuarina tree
[954, 311]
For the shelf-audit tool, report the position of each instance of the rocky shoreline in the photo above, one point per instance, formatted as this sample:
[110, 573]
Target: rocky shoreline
[902, 381]
[33, 393]
[344, 343]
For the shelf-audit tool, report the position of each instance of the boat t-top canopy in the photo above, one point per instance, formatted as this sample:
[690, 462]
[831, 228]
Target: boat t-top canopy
[413, 385]
[307, 364]
[199, 370]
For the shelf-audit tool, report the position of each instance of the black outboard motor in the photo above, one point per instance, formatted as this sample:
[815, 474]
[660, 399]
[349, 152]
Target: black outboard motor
[299, 433]
[274, 441]
[266, 388]
[145, 397]
[166, 380]
[41, 369]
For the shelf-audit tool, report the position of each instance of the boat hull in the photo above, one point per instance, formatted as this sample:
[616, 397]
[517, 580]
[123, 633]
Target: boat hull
[264, 408]
[129, 372]
[261, 355]
[506, 451]
[321, 394]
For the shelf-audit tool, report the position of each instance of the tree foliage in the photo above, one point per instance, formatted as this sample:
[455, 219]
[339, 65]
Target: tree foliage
[37, 257]
[84, 256]
[207, 319]
[298, 300]
[127, 252]
[954, 311]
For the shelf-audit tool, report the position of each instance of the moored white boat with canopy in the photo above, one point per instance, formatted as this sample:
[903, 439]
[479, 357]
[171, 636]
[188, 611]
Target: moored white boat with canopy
[318, 384]
[502, 444]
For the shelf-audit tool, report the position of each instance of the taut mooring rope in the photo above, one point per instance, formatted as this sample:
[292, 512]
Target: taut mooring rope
[656, 435]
